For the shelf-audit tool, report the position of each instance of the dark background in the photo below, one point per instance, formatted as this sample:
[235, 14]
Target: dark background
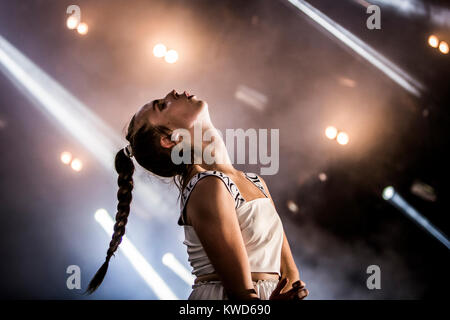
[311, 80]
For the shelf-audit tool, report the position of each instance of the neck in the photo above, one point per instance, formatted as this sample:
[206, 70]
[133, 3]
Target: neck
[216, 148]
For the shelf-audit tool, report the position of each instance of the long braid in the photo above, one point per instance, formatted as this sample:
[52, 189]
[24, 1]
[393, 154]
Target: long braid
[147, 152]
[125, 168]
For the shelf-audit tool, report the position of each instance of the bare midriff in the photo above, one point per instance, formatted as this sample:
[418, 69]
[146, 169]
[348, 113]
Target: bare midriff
[256, 276]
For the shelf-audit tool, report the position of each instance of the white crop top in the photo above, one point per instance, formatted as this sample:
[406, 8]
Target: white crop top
[261, 228]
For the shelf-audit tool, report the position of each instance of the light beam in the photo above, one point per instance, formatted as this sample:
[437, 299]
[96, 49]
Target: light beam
[391, 196]
[139, 263]
[350, 40]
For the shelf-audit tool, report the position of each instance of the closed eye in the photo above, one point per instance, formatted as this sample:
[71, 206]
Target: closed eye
[162, 105]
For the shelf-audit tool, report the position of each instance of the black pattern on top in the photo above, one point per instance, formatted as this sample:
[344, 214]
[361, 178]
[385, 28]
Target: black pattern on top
[253, 177]
[231, 186]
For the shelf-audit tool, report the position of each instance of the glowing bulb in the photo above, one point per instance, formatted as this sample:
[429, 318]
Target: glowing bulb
[323, 176]
[331, 132]
[292, 206]
[171, 56]
[433, 41]
[443, 47]
[388, 193]
[76, 165]
[72, 22]
[82, 28]
[66, 157]
[159, 50]
[342, 138]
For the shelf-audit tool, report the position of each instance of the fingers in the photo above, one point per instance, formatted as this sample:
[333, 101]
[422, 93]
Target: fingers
[303, 293]
[292, 288]
[298, 290]
[279, 287]
[298, 283]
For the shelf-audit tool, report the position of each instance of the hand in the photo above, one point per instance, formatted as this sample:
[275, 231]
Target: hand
[298, 291]
[291, 279]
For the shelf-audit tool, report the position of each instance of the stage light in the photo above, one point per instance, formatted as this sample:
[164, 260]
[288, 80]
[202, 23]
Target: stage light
[139, 263]
[170, 261]
[82, 28]
[159, 50]
[76, 164]
[292, 206]
[433, 41]
[66, 157]
[72, 22]
[323, 177]
[390, 195]
[361, 48]
[443, 47]
[171, 56]
[331, 132]
[342, 138]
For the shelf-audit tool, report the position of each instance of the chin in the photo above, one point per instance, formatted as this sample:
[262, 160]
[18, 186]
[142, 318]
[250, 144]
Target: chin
[201, 104]
[204, 104]
[203, 110]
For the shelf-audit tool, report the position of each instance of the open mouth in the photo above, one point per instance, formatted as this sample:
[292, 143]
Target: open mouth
[189, 96]
[186, 94]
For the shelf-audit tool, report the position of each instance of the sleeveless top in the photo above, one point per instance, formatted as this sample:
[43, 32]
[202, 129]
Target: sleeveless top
[260, 225]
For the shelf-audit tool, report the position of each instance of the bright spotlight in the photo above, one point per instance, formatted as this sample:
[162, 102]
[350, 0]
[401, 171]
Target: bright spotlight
[331, 132]
[388, 193]
[82, 28]
[145, 270]
[443, 47]
[159, 50]
[433, 41]
[169, 260]
[292, 206]
[66, 157]
[72, 22]
[342, 138]
[76, 164]
[323, 176]
[171, 56]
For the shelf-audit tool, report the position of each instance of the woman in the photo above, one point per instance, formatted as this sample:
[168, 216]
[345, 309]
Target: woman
[234, 236]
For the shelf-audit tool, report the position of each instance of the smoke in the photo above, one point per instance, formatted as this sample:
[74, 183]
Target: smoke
[336, 269]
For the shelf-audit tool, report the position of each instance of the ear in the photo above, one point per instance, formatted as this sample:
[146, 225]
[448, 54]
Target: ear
[166, 142]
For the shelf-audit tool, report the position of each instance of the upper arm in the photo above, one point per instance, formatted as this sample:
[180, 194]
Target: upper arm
[212, 214]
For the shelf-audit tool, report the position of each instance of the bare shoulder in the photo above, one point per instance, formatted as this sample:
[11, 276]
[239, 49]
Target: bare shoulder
[209, 197]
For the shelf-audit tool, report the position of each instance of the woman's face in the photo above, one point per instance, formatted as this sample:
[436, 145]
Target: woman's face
[174, 111]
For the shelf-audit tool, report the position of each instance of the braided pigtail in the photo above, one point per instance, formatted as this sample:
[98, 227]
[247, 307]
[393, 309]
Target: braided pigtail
[125, 168]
